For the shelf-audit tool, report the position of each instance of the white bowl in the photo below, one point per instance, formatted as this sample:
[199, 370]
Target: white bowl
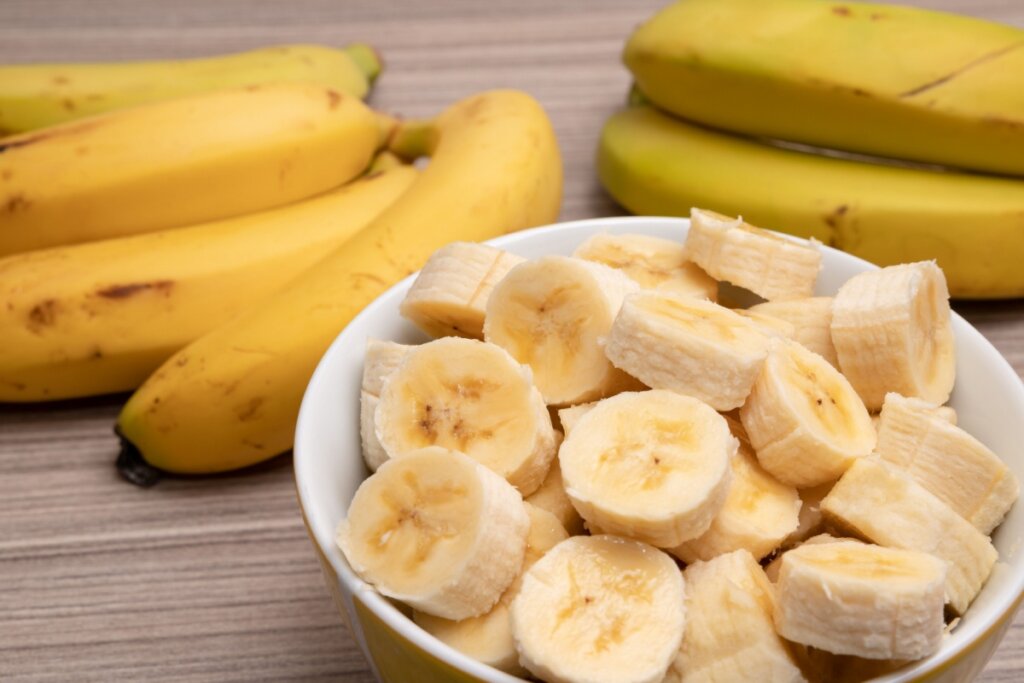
[988, 398]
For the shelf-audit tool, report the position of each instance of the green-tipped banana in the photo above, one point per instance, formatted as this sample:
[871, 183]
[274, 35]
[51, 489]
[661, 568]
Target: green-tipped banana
[973, 225]
[886, 80]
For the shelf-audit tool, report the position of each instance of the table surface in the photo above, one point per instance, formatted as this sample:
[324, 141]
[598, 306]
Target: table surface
[213, 579]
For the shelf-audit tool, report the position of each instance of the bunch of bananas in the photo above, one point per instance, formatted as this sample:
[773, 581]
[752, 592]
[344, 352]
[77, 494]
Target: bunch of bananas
[739, 106]
[200, 231]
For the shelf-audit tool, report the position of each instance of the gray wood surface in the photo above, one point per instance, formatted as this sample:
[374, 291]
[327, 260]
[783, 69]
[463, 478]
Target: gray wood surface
[213, 579]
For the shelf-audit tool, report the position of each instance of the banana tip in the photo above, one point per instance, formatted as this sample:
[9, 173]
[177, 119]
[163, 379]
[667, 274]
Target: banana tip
[132, 467]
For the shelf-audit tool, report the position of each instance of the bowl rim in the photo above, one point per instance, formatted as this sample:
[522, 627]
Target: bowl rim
[1001, 610]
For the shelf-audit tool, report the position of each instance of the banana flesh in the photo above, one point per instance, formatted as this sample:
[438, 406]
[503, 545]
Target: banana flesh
[551, 497]
[570, 416]
[438, 531]
[381, 359]
[811, 319]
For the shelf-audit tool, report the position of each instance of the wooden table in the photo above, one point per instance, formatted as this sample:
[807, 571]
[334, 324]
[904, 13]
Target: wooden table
[213, 579]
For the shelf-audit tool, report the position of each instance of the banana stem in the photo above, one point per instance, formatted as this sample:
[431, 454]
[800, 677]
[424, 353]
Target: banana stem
[414, 139]
[367, 59]
[132, 467]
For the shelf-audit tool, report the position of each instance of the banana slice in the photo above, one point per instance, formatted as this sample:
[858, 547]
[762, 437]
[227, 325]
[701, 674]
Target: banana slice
[960, 470]
[810, 519]
[759, 512]
[811, 319]
[864, 600]
[892, 332]
[652, 465]
[600, 609]
[689, 346]
[652, 262]
[773, 267]
[450, 294]
[551, 314]
[472, 397]
[771, 570]
[877, 503]
[438, 531]
[730, 635]
[571, 415]
[488, 638]
[769, 324]
[551, 497]
[382, 358]
[805, 421]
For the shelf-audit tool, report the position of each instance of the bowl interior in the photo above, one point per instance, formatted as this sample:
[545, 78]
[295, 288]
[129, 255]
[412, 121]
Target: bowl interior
[988, 398]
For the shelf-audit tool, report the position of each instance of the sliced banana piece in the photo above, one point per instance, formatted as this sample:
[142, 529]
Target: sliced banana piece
[472, 397]
[810, 519]
[651, 465]
[381, 359]
[960, 470]
[652, 262]
[449, 295]
[759, 512]
[551, 314]
[769, 324]
[571, 415]
[730, 635]
[877, 503]
[488, 638]
[438, 531]
[551, 496]
[771, 266]
[600, 609]
[864, 600]
[811, 319]
[804, 420]
[689, 346]
[892, 332]
[771, 570]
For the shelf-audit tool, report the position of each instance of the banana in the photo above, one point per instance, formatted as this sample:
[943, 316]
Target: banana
[551, 497]
[37, 95]
[804, 420]
[180, 162]
[769, 324]
[488, 638]
[892, 332]
[473, 397]
[568, 417]
[810, 523]
[758, 514]
[773, 267]
[599, 609]
[437, 531]
[652, 466]
[960, 470]
[811, 319]
[183, 419]
[853, 76]
[689, 346]
[730, 635]
[865, 600]
[382, 358]
[885, 214]
[97, 318]
[652, 262]
[875, 502]
[450, 293]
[771, 570]
[551, 314]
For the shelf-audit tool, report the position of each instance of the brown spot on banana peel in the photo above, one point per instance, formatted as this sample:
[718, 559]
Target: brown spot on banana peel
[942, 80]
[6, 174]
[133, 288]
[42, 315]
[16, 202]
[841, 10]
[46, 134]
[68, 104]
[250, 409]
[333, 99]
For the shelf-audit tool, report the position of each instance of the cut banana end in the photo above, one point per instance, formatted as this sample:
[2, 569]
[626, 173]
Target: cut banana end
[600, 609]
[472, 397]
[865, 600]
[381, 359]
[652, 262]
[770, 266]
[652, 465]
[551, 314]
[437, 531]
[913, 436]
[759, 512]
[892, 332]
[551, 497]
[804, 420]
[730, 635]
[488, 638]
[449, 296]
[689, 346]
[811, 319]
[877, 503]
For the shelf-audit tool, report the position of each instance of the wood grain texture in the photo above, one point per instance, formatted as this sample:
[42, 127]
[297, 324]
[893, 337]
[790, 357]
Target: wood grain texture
[213, 579]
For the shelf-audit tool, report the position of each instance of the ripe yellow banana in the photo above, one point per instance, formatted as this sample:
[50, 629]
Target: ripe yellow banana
[973, 225]
[180, 162]
[37, 95]
[231, 398]
[892, 81]
[97, 318]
